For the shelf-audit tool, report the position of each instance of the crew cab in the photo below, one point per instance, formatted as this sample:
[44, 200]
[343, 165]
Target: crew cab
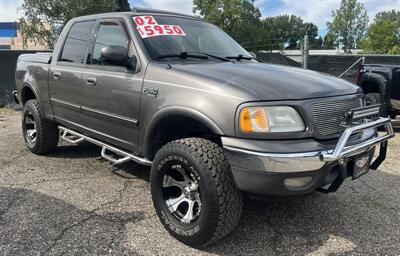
[381, 84]
[175, 93]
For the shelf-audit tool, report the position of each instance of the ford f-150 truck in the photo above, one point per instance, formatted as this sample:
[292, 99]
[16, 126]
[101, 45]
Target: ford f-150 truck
[381, 85]
[178, 94]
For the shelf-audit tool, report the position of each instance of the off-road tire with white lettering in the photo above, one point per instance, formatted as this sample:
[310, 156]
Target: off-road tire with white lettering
[221, 199]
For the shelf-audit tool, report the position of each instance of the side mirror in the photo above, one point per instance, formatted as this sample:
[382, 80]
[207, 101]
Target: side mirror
[115, 55]
[253, 54]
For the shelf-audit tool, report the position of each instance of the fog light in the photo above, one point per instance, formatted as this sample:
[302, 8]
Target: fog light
[297, 182]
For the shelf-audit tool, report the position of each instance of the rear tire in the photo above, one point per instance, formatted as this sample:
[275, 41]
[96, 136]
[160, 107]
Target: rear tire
[40, 134]
[196, 171]
[375, 99]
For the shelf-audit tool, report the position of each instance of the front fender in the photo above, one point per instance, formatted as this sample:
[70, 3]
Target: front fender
[179, 111]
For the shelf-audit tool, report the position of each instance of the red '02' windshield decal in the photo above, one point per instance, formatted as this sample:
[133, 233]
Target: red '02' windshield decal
[148, 27]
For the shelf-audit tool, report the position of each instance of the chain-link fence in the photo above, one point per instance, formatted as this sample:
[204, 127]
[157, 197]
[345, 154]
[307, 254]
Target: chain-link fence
[344, 66]
[8, 62]
[280, 59]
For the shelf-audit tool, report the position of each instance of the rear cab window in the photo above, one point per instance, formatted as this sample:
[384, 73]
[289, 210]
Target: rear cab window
[77, 42]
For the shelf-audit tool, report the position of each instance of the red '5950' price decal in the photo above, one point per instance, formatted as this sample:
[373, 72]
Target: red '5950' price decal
[148, 27]
[160, 30]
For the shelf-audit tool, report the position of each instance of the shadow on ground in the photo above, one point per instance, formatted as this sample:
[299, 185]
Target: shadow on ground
[32, 222]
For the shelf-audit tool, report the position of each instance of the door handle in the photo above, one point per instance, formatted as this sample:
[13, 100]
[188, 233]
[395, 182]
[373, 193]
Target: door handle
[57, 75]
[91, 81]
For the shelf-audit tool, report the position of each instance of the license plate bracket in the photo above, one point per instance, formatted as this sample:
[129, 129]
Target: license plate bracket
[361, 165]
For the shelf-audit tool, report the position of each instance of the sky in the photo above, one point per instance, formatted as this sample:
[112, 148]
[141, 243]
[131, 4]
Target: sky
[316, 11]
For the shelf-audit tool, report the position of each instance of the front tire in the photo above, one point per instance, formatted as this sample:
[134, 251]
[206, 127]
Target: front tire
[194, 193]
[40, 134]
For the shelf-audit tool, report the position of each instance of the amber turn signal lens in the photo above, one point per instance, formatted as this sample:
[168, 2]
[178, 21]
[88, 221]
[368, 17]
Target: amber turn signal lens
[253, 119]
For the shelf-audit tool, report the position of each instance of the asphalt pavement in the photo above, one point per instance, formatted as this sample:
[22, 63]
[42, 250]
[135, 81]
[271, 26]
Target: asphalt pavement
[72, 202]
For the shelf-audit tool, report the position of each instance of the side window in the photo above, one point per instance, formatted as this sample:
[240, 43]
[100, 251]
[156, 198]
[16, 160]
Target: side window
[109, 34]
[77, 41]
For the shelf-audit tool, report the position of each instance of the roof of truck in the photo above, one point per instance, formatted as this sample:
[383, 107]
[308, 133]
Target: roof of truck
[136, 11]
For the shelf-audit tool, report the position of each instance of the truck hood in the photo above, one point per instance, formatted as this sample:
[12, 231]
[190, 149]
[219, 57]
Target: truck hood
[270, 82]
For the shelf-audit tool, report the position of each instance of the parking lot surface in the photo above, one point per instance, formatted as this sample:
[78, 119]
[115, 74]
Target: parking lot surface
[74, 202]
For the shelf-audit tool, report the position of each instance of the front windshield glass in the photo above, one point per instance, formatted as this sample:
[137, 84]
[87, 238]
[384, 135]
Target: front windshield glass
[165, 35]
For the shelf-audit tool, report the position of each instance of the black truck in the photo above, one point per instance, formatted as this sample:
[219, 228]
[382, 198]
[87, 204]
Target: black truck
[381, 85]
[178, 94]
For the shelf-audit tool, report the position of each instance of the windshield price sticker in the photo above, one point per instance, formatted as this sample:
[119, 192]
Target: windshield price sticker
[160, 30]
[148, 27]
[144, 20]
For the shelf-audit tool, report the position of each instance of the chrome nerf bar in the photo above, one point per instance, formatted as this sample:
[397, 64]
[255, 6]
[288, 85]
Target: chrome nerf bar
[341, 150]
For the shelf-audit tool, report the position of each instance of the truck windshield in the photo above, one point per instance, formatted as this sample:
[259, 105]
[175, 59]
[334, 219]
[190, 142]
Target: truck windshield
[174, 37]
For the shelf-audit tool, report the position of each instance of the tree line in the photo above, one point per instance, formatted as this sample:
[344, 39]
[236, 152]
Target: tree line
[349, 27]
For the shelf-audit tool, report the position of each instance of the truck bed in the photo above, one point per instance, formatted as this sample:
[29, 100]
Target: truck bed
[44, 58]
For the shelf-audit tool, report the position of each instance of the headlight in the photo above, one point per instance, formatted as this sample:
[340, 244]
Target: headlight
[270, 119]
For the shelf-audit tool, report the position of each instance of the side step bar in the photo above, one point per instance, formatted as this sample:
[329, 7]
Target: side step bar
[75, 137]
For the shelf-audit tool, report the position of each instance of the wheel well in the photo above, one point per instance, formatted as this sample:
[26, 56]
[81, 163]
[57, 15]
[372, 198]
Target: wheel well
[177, 127]
[370, 87]
[27, 94]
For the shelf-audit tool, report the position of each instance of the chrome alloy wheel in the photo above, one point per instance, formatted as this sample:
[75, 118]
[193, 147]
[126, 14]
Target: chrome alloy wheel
[182, 194]
[30, 128]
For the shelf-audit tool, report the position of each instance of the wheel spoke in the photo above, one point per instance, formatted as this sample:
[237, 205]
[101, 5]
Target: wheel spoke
[169, 181]
[189, 214]
[186, 178]
[31, 133]
[29, 120]
[174, 203]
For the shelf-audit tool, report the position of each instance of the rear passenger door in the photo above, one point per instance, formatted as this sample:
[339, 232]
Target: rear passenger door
[65, 75]
[112, 93]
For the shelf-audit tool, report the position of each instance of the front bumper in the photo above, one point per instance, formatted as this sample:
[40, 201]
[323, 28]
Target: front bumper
[271, 167]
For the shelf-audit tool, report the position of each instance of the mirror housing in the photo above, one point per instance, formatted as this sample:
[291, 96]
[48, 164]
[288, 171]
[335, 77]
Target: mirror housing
[253, 54]
[116, 55]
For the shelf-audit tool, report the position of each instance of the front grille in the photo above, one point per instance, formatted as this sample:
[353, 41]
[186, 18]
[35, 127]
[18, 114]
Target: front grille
[329, 115]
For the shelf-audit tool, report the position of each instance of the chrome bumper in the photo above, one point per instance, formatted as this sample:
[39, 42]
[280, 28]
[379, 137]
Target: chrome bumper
[315, 160]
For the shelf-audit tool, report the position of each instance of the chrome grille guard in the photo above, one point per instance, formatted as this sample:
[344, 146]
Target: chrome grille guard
[342, 150]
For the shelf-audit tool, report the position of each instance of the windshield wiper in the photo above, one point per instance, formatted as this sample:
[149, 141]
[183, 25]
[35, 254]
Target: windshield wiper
[215, 56]
[183, 55]
[242, 57]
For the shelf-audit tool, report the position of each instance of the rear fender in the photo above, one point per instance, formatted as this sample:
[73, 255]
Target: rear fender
[380, 81]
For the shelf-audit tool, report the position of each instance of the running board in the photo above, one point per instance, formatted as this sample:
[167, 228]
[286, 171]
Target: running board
[75, 137]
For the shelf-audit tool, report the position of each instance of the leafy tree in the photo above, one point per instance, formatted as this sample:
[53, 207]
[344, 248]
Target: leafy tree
[122, 6]
[317, 43]
[288, 30]
[44, 19]
[395, 50]
[242, 20]
[349, 23]
[239, 18]
[392, 15]
[329, 41]
[383, 35]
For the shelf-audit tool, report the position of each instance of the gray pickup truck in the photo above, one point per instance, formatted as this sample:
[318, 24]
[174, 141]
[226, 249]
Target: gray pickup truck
[178, 94]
